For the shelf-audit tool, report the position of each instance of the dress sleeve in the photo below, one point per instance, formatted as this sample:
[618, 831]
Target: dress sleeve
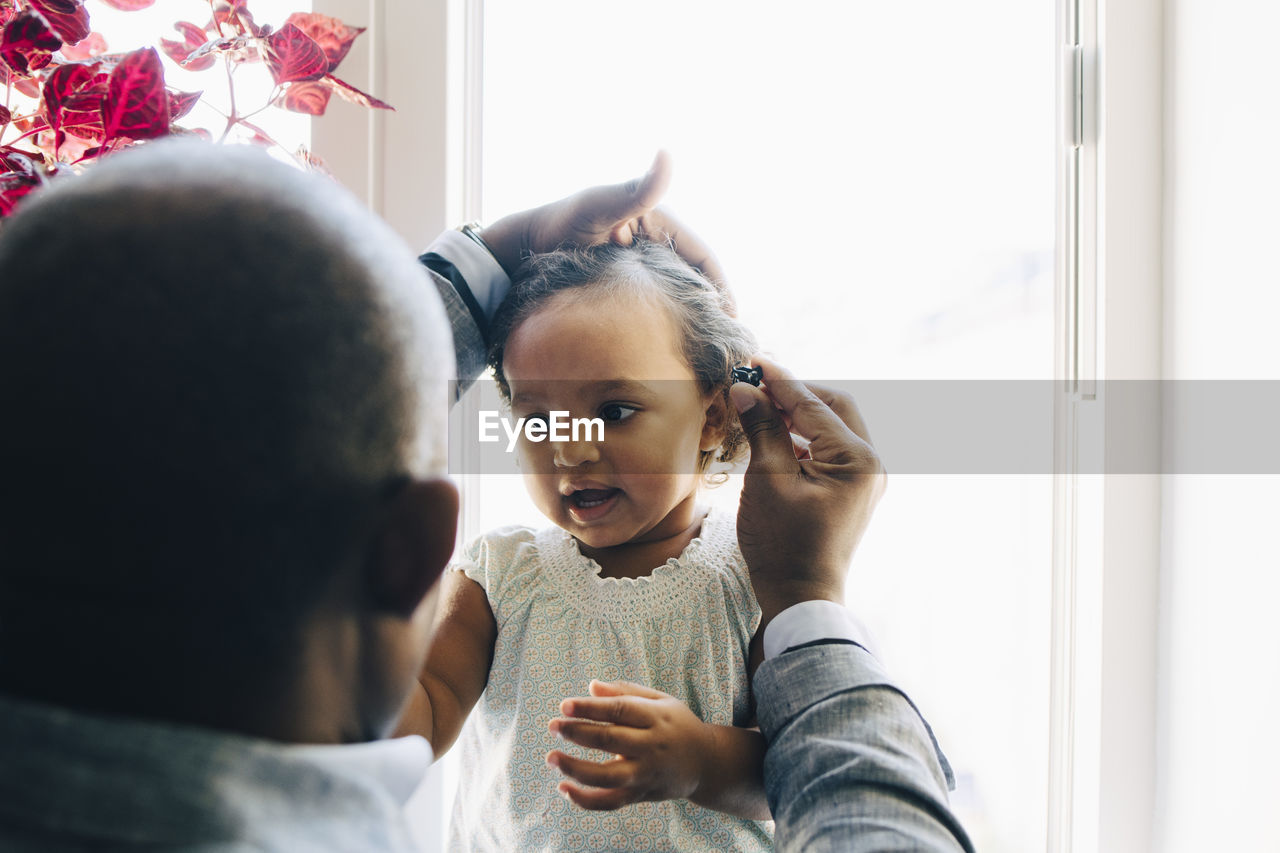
[502, 562]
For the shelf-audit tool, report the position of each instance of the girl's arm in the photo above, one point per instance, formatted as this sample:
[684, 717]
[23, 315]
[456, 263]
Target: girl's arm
[661, 751]
[457, 666]
[734, 780]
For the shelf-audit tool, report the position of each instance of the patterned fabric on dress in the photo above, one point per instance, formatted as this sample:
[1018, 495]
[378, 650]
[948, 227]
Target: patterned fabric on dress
[684, 629]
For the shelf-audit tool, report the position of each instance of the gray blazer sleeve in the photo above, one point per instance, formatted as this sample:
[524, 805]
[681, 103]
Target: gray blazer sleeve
[469, 344]
[851, 765]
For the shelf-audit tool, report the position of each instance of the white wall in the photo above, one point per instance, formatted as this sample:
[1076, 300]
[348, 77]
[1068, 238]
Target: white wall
[1220, 677]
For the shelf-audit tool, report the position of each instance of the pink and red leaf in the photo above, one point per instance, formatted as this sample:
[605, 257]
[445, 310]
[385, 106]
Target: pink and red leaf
[181, 103]
[13, 187]
[235, 15]
[72, 100]
[68, 18]
[306, 96]
[294, 55]
[184, 52]
[129, 5]
[350, 93]
[94, 45]
[196, 60]
[137, 102]
[27, 43]
[15, 160]
[333, 36]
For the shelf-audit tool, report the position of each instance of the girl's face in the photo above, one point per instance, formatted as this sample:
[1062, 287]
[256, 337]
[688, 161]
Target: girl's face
[614, 358]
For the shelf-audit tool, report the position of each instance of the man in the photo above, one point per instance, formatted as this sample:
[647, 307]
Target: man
[224, 514]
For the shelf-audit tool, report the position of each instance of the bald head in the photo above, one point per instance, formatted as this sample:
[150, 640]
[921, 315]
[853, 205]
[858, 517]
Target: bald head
[213, 368]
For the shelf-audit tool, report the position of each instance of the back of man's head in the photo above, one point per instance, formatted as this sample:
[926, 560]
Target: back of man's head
[213, 368]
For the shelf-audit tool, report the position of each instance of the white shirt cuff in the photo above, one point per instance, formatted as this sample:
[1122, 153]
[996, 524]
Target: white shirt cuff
[481, 271]
[809, 621]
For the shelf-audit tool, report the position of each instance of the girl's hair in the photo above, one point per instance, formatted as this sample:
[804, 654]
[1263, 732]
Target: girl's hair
[712, 341]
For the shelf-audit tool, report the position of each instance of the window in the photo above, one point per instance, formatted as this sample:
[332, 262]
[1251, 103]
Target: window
[878, 182]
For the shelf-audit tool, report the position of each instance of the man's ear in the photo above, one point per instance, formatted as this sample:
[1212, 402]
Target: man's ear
[411, 545]
[716, 425]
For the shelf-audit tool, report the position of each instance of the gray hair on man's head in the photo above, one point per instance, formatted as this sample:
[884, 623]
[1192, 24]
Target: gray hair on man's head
[212, 365]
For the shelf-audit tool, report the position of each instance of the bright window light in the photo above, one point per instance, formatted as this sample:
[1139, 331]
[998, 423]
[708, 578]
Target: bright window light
[878, 180]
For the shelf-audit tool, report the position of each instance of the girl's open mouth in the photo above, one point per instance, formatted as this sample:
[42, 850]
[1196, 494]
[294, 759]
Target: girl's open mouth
[591, 504]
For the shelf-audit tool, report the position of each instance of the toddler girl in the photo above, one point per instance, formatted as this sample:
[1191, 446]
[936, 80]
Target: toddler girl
[636, 581]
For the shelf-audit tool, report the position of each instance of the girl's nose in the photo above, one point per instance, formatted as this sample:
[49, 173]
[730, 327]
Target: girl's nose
[571, 454]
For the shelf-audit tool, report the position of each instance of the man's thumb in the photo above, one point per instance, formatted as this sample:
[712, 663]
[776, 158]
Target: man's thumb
[639, 195]
[771, 449]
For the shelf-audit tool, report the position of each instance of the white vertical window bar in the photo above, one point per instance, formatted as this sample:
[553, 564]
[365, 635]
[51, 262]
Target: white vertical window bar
[472, 162]
[1076, 368]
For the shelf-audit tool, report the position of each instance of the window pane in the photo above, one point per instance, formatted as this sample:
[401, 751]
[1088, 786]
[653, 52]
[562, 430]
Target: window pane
[878, 180]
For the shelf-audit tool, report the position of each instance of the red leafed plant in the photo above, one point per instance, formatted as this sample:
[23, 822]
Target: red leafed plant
[68, 100]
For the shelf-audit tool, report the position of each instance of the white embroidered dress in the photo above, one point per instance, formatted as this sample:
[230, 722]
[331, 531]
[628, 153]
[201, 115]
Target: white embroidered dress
[684, 629]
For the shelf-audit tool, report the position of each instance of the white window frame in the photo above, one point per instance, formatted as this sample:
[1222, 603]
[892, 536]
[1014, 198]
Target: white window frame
[420, 170]
[413, 167]
[1106, 588]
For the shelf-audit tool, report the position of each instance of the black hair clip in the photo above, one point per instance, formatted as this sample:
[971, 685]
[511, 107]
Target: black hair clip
[750, 375]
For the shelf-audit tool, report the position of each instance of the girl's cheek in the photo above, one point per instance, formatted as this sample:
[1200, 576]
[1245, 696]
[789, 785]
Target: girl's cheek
[527, 460]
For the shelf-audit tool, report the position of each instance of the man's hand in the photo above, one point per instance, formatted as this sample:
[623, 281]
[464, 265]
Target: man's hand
[659, 746]
[800, 519]
[615, 213]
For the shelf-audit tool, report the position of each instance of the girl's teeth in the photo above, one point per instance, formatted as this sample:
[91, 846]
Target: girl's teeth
[587, 498]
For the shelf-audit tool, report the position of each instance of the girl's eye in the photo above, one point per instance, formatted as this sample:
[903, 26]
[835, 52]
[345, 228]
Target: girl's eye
[616, 412]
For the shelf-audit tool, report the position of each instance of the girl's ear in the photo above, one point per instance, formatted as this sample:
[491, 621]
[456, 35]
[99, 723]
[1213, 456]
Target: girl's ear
[716, 425]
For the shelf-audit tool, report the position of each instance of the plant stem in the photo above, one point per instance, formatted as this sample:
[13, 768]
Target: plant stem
[31, 132]
[8, 99]
[214, 12]
[232, 118]
[272, 140]
[270, 101]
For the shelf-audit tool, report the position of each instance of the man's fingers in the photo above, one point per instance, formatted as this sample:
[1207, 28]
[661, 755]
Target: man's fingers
[613, 773]
[620, 740]
[661, 225]
[621, 234]
[808, 414]
[596, 800]
[771, 449]
[605, 209]
[650, 189]
[845, 408]
[620, 710]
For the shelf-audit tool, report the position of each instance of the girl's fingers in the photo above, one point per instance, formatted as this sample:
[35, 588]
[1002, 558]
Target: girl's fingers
[624, 688]
[620, 710]
[620, 740]
[613, 773]
[596, 800]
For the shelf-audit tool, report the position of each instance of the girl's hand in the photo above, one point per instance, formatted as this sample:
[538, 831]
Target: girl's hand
[660, 747]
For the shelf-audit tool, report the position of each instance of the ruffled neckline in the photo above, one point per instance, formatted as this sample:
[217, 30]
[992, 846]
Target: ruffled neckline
[707, 541]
